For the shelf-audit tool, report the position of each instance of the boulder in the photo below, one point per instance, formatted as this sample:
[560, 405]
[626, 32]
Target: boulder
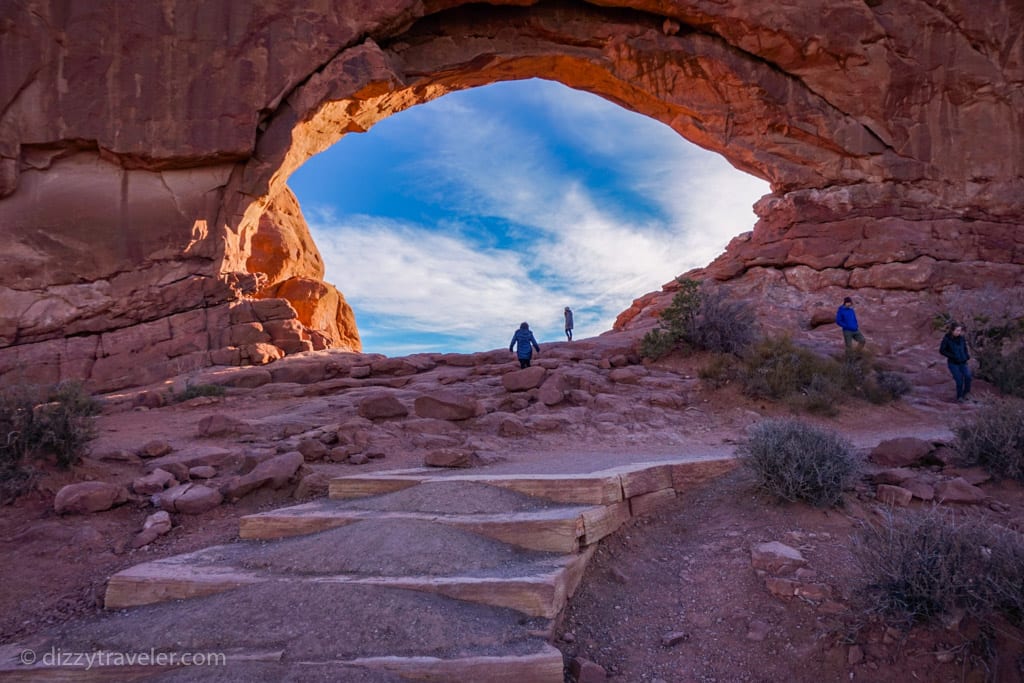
[958, 490]
[219, 424]
[154, 482]
[155, 449]
[446, 406]
[188, 498]
[901, 452]
[381, 406]
[893, 495]
[88, 496]
[272, 473]
[523, 380]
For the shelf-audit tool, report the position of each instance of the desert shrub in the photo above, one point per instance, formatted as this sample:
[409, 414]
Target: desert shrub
[795, 461]
[993, 438]
[701, 318]
[36, 424]
[778, 369]
[923, 564]
[720, 369]
[196, 390]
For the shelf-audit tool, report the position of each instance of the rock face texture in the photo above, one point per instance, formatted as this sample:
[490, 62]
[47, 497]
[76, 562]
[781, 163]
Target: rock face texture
[144, 150]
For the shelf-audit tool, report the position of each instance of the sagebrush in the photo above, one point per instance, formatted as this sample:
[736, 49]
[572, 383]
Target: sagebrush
[993, 438]
[796, 461]
[37, 423]
[920, 565]
[777, 368]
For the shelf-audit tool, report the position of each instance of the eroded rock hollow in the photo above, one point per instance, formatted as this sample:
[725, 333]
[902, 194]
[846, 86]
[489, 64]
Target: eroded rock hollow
[144, 149]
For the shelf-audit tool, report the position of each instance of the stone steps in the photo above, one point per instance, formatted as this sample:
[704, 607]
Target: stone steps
[407, 575]
[559, 530]
[538, 588]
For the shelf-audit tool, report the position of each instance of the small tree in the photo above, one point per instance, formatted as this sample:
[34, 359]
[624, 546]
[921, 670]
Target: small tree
[701, 318]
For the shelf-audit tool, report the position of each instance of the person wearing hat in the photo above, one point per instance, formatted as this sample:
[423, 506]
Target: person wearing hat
[524, 343]
[846, 318]
[568, 323]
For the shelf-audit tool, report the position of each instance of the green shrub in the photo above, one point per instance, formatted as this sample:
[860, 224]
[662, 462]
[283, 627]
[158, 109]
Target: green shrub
[993, 438]
[37, 424]
[795, 461]
[196, 390]
[720, 369]
[923, 564]
[778, 369]
[700, 318]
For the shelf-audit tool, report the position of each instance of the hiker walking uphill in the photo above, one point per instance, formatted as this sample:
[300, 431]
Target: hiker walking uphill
[524, 343]
[954, 348]
[846, 318]
[568, 323]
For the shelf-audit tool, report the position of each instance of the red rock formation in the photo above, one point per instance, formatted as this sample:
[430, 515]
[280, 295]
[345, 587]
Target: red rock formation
[144, 148]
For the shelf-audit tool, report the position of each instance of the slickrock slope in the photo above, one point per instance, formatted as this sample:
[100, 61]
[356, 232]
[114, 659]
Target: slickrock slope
[144, 150]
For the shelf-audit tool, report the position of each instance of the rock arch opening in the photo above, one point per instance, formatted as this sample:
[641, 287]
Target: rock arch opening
[449, 222]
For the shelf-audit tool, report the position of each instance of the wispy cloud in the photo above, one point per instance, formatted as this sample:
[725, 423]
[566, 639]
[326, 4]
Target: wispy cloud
[560, 235]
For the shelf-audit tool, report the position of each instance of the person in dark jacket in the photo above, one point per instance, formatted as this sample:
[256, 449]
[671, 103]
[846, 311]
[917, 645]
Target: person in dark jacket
[568, 323]
[524, 342]
[954, 348]
[846, 318]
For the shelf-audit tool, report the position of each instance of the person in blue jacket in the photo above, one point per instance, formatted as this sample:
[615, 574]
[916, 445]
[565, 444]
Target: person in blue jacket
[524, 343]
[954, 348]
[846, 318]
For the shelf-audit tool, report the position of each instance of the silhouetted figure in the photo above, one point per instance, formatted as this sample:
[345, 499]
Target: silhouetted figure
[524, 343]
[568, 323]
[954, 348]
[846, 318]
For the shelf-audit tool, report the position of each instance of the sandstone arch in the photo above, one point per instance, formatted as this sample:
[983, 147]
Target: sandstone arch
[144, 149]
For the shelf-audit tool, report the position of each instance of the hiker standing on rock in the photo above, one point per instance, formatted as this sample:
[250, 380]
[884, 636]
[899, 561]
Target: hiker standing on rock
[524, 343]
[954, 348]
[846, 318]
[568, 323]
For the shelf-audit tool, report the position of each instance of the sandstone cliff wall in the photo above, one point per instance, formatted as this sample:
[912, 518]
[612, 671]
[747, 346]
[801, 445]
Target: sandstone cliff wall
[144, 148]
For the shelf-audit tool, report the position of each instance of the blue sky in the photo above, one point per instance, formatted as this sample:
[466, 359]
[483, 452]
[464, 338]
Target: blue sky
[447, 225]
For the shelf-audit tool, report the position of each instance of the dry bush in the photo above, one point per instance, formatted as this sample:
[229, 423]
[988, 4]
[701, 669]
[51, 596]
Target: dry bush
[795, 461]
[923, 564]
[196, 390]
[993, 438]
[37, 424]
[778, 369]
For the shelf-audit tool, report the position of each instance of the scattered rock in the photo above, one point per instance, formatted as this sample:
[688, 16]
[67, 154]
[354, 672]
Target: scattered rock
[358, 459]
[523, 380]
[776, 557]
[312, 449]
[893, 495]
[202, 472]
[189, 498]
[219, 424]
[586, 671]
[758, 630]
[88, 496]
[156, 525]
[154, 482]
[446, 406]
[450, 457]
[901, 452]
[155, 449]
[272, 473]
[313, 485]
[958, 490]
[381, 406]
[674, 638]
